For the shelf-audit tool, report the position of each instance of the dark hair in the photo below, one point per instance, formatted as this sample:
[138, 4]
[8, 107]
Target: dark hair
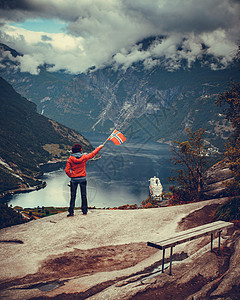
[76, 148]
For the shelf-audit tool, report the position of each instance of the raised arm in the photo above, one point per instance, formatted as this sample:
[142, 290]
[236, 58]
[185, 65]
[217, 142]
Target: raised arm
[94, 152]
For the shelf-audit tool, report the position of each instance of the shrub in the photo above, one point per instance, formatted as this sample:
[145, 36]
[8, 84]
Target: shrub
[9, 217]
[229, 211]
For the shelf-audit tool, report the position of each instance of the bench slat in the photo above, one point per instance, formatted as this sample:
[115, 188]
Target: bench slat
[191, 234]
[197, 229]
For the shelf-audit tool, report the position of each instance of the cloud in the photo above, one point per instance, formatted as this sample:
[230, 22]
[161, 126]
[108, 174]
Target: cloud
[46, 38]
[99, 33]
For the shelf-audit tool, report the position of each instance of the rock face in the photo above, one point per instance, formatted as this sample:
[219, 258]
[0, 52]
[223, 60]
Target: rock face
[28, 139]
[147, 102]
[216, 178]
[104, 255]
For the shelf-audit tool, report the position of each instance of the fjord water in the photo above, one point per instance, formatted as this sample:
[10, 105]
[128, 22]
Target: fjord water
[121, 176]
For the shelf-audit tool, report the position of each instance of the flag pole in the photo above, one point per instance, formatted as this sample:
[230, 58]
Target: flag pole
[108, 137]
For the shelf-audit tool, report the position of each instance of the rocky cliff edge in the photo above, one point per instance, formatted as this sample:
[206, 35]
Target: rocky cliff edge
[104, 255]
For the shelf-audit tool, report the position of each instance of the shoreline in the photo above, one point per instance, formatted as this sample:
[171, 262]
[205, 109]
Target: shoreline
[35, 213]
[9, 193]
[45, 168]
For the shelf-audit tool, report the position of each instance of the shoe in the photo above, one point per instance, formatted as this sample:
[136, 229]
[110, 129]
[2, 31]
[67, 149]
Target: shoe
[70, 215]
[85, 214]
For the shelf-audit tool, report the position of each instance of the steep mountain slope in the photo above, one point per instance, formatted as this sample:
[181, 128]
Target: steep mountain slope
[154, 103]
[28, 139]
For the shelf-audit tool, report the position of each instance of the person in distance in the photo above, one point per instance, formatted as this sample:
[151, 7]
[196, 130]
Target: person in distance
[76, 170]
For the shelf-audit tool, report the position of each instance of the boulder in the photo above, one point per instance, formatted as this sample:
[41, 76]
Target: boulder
[215, 180]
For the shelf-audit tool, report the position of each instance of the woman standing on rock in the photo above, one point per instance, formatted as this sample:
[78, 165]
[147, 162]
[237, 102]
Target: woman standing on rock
[76, 170]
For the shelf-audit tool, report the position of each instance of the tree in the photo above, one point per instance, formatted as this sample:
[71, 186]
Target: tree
[9, 217]
[191, 155]
[230, 101]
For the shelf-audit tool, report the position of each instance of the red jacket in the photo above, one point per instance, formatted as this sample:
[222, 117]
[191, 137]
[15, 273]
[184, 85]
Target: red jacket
[76, 167]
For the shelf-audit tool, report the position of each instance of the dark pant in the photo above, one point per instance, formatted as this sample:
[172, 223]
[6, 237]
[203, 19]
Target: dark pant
[83, 187]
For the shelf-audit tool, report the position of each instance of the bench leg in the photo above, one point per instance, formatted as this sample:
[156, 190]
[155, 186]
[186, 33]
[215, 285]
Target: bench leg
[170, 267]
[211, 242]
[163, 260]
[219, 241]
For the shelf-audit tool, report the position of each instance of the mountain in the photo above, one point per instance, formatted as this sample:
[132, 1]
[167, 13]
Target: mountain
[155, 104]
[28, 139]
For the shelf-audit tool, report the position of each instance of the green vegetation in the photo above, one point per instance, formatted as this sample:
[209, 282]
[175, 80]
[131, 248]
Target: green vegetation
[191, 155]
[230, 101]
[28, 139]
[180, 99]
[149, 203]
[40, 212]
[230, 211]
[7, 180]
[9, 217]
[13, 216]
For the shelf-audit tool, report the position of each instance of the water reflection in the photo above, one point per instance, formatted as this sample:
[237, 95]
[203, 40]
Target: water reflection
[119, 177]
[100, 193]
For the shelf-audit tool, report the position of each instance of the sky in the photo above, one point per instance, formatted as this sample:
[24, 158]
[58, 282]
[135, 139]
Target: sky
[76, 35]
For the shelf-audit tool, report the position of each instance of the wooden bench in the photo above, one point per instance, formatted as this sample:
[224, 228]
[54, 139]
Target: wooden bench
[188, 235]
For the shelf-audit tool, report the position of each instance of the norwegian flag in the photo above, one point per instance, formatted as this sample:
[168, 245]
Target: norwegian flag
[117, 137]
